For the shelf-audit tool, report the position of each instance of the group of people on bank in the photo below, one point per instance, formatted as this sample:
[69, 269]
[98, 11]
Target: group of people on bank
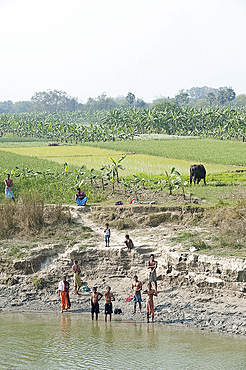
[109, 296]
[81, 199]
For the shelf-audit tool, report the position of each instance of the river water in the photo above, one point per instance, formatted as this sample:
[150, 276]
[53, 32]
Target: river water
[72, 341]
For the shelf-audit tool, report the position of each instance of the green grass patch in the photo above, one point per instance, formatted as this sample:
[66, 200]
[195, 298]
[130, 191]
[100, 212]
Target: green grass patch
[219, 196]
[15, 142]
[17, 251]
[191, 239]
[39, 283]
[222, 244]
[182, 237]
[223, 230]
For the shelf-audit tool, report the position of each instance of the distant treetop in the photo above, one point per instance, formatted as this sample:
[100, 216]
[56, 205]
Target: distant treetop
[196, 97]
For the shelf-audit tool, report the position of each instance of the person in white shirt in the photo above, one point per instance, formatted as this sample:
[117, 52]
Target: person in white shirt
[64, 292]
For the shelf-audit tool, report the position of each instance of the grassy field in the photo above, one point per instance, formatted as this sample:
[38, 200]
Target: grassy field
[96, 158]
[196, 150]
[9, 161]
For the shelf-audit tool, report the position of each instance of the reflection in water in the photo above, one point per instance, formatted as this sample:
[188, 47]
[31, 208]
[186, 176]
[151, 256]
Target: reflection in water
[109, 336]
[95, 333]
[152, 337]
[95, 328]
[65, 325]
[48, 342]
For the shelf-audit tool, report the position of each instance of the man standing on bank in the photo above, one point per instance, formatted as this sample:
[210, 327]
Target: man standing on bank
[137, 287]
[152, 266]
[95, 298]
[64, 291]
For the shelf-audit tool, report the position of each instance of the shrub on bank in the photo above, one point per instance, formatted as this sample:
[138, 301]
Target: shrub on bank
[29, 215]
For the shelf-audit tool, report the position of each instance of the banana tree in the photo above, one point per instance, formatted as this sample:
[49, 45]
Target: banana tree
[137, 185]
[173, 180]
[92, 176]
[116, 166]
[126, 184]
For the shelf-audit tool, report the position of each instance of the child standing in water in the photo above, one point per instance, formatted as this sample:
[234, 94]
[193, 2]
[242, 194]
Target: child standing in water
[95, 298]
[107, 235]
[150, 302]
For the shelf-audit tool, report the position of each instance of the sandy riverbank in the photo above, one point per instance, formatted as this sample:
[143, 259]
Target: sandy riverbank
[191, 292]
[218, 310]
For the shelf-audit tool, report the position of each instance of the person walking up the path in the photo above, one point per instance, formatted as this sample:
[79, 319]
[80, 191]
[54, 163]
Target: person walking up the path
[152, 266]
[107, 234]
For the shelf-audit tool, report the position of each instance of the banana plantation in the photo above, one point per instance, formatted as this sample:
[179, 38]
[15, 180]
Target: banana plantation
[123, 124]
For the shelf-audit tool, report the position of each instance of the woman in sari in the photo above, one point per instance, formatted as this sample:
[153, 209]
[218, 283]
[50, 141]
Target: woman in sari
[64, 291]
[80, 197]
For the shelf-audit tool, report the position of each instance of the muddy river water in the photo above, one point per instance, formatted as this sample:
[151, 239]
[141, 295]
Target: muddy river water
[72, 341]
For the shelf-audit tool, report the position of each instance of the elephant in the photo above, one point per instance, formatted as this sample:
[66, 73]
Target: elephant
[198, 172]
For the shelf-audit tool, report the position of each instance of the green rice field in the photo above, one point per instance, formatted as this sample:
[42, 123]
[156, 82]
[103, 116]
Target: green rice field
[8, 141]
[96, 158]
[200, 150]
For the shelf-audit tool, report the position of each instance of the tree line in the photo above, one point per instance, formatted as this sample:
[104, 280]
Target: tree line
[201, 97]
[60, 101]
[56, 101]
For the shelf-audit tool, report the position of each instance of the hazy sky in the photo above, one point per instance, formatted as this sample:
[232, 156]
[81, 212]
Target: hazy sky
[149, 47]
